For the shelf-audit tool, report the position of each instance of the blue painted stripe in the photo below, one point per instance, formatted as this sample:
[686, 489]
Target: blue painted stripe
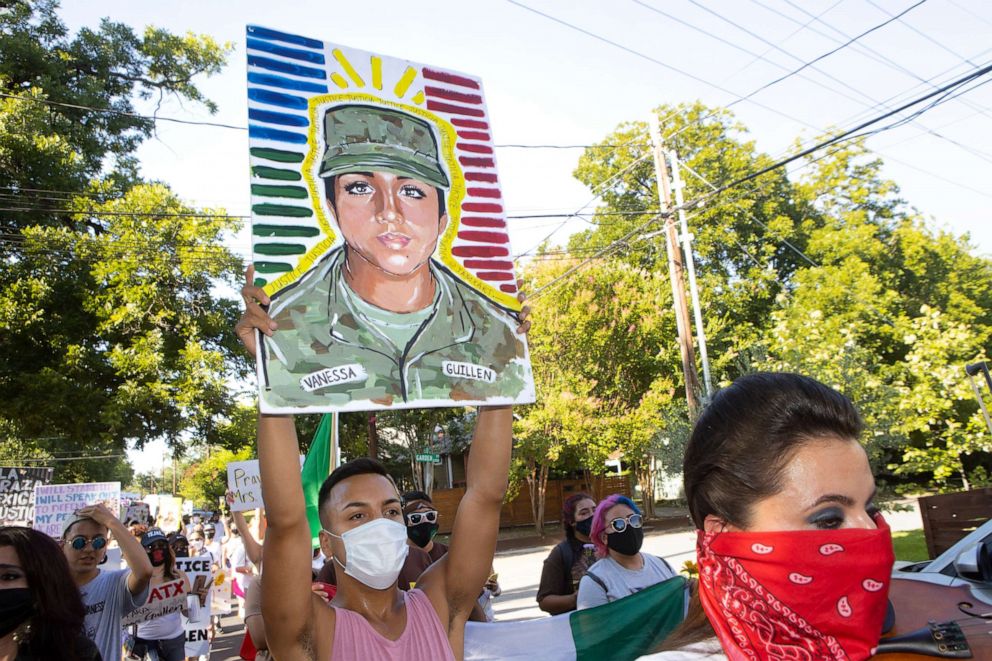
[265, 133]
[286, 83]
[281, 118]
[286, 51]
[274, 35]
[277, 98]
[285, 67]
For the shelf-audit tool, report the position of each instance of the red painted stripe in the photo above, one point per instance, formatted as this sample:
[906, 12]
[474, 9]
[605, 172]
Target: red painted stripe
[472, 147]
[470, 123]
[474, 161]
[482, 207]
[450, 78]
[509, 289]
[485, 192]
[474, 135]
[487, 264]
[437, 106]
[494, 276]
[450, 95]
[481, 176]
[484, 237]
[482, 221]
[480, 251]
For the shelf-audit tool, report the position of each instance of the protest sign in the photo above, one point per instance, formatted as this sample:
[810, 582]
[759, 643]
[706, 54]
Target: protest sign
[163, 599]
[245, 485]
[17, 493]
[170, 517]
[221, 593]
[329, 125]
[197, 626]
[137, 512]
[54, 504]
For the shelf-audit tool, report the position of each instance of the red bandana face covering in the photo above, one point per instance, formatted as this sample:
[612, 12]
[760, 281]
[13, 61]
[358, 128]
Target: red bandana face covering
[802, 595]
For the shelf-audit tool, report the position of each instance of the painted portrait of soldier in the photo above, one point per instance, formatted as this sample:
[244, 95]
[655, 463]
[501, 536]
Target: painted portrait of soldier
[379, 320]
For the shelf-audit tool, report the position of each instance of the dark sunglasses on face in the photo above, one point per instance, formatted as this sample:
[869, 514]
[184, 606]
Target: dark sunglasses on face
[79, 542]
[620, 524]
[415, 518]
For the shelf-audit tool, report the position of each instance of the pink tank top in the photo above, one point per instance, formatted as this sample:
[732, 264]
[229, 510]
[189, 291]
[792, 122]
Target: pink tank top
[424, 639]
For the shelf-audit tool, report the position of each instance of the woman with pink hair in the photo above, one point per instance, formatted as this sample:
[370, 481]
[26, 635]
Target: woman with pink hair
[622, 569]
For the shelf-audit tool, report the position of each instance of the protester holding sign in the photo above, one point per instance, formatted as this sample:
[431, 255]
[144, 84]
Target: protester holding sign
[107, 595]
[42, 614]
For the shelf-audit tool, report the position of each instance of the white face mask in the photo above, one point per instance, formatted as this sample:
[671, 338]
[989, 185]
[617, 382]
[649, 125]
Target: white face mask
[196, 545]
[375, 552]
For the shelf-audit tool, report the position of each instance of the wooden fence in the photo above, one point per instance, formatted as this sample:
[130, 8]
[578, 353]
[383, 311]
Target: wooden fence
[947, 518]
[518, 513]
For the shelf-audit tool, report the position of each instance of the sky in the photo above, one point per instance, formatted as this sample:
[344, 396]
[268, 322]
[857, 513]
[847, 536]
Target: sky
[548, 83]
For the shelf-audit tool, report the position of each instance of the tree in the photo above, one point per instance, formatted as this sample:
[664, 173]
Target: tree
[110, 332]
[205, 481]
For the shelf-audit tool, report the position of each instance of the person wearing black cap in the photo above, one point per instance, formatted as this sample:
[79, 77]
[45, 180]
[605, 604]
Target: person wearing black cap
[378, 318]
[164, 634]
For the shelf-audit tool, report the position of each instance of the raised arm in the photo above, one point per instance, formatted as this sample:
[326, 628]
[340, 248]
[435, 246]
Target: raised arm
[253, 550]
[286, 596]
[134, 555]
[461, 573]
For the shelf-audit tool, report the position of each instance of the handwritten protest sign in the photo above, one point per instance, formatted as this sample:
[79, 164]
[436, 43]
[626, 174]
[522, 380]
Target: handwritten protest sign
[163, 599]
[197, 626]
[221, 594]
[245, 485]
[17, 493]
[54, 504]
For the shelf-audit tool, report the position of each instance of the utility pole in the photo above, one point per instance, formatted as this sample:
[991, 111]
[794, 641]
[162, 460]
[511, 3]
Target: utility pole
[682, 323]
[697, 311]
[373, 438]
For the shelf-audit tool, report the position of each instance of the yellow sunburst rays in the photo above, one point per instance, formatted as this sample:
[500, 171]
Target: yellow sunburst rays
[351, 77]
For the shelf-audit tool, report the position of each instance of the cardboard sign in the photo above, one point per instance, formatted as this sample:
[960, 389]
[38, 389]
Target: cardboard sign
[245, 484]
[221, 594]
[197, 627]
[17, 493]
[55, 504]
[169, 597]
[137, 513]
[170, 517]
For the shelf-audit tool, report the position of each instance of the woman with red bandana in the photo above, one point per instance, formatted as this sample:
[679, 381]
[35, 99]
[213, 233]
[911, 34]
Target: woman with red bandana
[794, 558]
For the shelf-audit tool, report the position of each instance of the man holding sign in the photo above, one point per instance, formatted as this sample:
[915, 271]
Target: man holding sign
[107, 595]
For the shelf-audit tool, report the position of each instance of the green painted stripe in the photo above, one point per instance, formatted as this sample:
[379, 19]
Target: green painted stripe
[276, 173]
[277, 155]
[284, 230]
[260, 282]
[272, 267]
[279, 249]
[282, 210]
[297, 192]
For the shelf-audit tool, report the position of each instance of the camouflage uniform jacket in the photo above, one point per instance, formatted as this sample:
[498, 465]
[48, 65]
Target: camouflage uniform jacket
[328, 354]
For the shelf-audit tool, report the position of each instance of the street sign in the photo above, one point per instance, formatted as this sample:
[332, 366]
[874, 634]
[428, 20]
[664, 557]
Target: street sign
[429, 458]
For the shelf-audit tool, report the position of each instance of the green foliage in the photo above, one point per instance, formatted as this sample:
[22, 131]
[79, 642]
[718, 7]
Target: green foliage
[205, 481]
[111, 331]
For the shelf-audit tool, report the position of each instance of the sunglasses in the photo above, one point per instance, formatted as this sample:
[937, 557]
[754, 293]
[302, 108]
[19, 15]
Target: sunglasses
[620, 524]
[79, 542]
[415, 518]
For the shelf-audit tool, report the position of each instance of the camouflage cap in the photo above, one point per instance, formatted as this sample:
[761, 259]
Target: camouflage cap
[360, 138]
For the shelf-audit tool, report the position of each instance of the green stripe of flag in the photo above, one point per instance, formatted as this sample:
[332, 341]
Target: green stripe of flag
[296, 192]
[317, 466]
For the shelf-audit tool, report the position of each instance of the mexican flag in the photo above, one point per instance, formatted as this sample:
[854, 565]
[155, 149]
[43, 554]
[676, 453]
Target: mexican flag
[624, 629]
[321, 460]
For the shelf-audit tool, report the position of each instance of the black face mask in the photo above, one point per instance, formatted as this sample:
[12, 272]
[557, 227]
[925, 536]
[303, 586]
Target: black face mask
[584, 526]
[422, 533]
[157, 557]
[16, 605]
[627, 542]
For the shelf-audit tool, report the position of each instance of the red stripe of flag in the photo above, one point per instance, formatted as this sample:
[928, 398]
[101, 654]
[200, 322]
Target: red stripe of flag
[481, 176]
[480, 251]
[474, 135]
[437, 106]
[509, 289]
[484, 237]
[474, 161]
[482, 221]
[484, 192]
[482, 207]
[487, 264]
[472, 147]
[470, 123]
[450, 78]
[450, 95]
[494, 275]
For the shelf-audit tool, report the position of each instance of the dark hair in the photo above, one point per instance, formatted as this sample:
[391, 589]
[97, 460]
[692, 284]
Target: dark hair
[740, 447]
[57, 623]
[360, 466]
[331, 195]
[568, 513]
[410, 496]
